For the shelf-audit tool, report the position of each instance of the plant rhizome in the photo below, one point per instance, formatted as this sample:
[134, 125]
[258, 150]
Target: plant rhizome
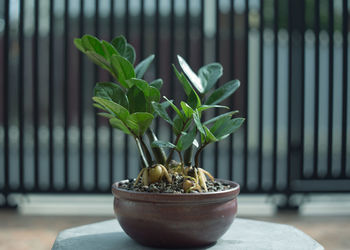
[131, 104]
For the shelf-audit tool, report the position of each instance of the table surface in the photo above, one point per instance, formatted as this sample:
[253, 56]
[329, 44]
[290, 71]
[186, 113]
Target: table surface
[243, 234]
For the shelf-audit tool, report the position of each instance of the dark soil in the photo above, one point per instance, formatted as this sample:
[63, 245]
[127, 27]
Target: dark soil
[174, 187]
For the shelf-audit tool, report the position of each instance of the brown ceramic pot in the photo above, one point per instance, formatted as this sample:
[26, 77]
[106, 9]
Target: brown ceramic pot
[175, 220]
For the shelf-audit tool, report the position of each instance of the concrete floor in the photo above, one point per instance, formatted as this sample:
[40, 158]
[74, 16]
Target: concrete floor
[27, 232]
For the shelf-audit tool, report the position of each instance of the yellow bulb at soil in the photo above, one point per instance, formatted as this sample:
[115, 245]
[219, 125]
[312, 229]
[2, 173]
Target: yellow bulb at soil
[153, 174]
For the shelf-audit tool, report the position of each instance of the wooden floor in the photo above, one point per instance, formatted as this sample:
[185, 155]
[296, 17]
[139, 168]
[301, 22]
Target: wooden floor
[27, 232]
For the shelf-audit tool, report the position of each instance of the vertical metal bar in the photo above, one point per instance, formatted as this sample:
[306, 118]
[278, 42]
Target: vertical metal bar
[317, 80]
[261, 93]
[51, 95]
[172, 48]
[142, 30]
[187, 31]
[81, 100]
[217, 58]
[275, 94]
[5, 96]
[21, 95]
[232, 69]
[126, 139]
[65, 92]
[96, 155]
[345, 88]
[36, 94]
[302, 126]
[157, 51]
[330, 87]
[201, 54]
[111, 131]
[289, 132]
[246, 81]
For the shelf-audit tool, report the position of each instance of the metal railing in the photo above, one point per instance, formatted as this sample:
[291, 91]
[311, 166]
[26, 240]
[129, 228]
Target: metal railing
[291, 58]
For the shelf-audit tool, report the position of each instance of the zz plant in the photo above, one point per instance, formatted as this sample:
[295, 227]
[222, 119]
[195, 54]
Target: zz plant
[131, 104]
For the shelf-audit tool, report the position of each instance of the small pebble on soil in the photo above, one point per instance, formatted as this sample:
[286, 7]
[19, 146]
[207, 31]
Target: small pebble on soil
[174, 187]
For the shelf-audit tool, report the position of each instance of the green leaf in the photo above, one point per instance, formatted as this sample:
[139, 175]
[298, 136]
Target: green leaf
[139, 122]
[175, 109]
[160, 109]
[158, 83]
[118, 124]
[142, 67]
[205, 107]
[99, 106]
[186, 140]
[188, 111]
[196, 81]
[220, 116]
[111, 91]
[112, 107]
[107, 115]
[109, 49]
[91, 43]
[151, 93]
[193, 99]
[99, 60]
[198, 123]
[162, 144]
[220, 123]
[137, 100]
[178, 125]
[209, 137]
[123, 68]
[223, 92]
[130, 54]
[228, 128]
[79, 44]
[119, 43]
[209, 74]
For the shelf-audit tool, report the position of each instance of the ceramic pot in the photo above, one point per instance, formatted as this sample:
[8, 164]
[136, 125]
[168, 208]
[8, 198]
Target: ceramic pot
[175, 220]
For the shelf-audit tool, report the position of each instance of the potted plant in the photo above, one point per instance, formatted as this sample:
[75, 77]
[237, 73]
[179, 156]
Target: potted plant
[172, 202]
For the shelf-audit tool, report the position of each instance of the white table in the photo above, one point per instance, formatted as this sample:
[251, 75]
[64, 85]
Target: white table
[243, 234]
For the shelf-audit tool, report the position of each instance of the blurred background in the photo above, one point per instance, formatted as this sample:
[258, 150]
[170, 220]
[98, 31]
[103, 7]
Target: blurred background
[290, 56]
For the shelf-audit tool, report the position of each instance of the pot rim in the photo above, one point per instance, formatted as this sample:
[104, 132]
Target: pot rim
[209, 197]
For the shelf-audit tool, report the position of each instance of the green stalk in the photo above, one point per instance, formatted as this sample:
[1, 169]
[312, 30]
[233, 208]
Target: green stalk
[158, 153]
[146, 151]
[143, 157]
[188, 156]
[196, 158]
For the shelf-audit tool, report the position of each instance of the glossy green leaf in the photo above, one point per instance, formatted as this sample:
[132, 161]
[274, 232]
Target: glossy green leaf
[96, 105]
[193, 99]
[130, 54]
[118, 124]
[139, 122]
[160, 109]
[228, 128]
[162, 144]
[151, 93]
[99, 60]
[209, 74]
[112, 107]
[112, 92]
[186, 140]
[198, 123]
[196, 81]
[109, 49]
[79, 44]
[91, 43]
[188, 111]
[209, 137]
[205, 107]
[158, 83]
[178, 125]
[120, 43]
[107, 115]
[123, 68]
[137, 100]
[175, 109]
[220, 123]
[142, 67]
[223, 92]
[220, 116]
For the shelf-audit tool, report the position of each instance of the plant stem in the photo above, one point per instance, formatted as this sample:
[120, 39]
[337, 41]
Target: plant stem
[188, 156]
[146, 151]
[196, 158]
[143, 157]
[180, 156]
[158, 153]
